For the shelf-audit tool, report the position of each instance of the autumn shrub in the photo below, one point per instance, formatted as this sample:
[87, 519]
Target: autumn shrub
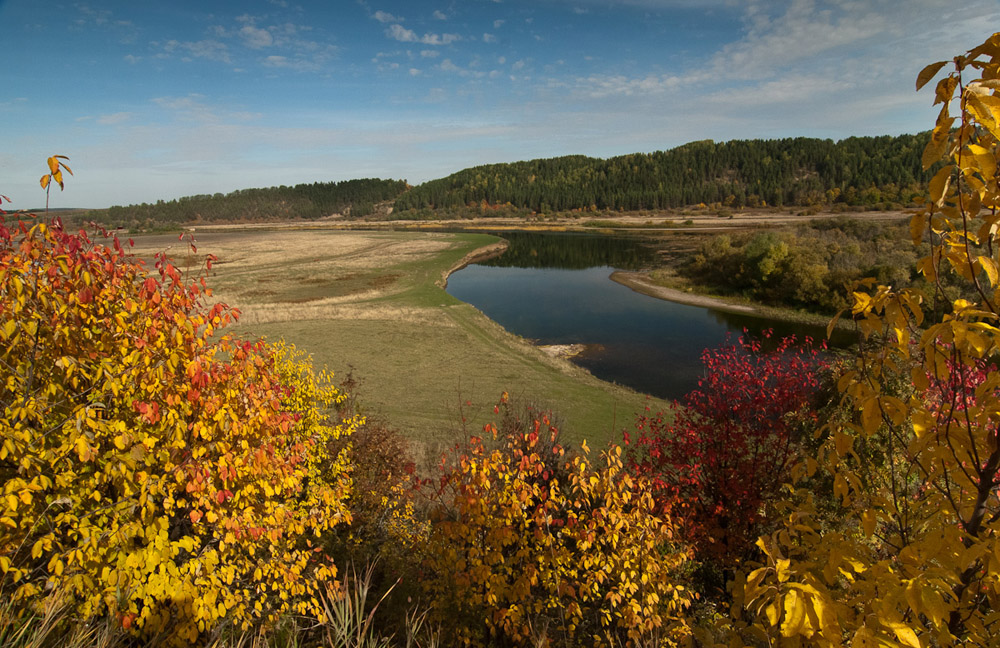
[720, 455]
[913, 558]
[154, 471]
[529, 544]
[388, 520]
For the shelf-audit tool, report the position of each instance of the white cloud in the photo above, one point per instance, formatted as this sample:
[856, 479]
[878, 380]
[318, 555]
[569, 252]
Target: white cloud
[114, 118]
[439, 15]
[429, 53]
[447, 66]
[385, 17]
[489, 38]
[212, 50]
[414, 72]
[193, 108]
[404, 35]
[256, 38]
[130, 58]
[804, 30]
[497, 24]
[276, 61]
[598, 86]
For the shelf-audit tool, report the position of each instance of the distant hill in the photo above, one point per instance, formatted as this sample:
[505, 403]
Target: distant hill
[873, 171]
[303, 201]
[876, 172]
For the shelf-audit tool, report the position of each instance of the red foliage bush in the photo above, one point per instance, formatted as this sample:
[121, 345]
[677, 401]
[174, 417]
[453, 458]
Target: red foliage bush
[716, 457]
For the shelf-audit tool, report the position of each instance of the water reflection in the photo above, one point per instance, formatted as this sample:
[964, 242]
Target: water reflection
[572, 251]
[651, 345]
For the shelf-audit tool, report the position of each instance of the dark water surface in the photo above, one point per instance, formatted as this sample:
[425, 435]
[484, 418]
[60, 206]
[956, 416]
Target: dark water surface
[651, 345]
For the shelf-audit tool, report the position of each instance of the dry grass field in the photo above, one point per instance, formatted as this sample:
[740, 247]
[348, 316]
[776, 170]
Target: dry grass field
[372, 304]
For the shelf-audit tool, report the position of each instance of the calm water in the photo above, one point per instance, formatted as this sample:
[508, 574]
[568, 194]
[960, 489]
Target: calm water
[651, 345]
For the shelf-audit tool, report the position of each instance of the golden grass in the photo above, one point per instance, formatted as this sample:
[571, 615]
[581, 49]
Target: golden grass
[372, 303]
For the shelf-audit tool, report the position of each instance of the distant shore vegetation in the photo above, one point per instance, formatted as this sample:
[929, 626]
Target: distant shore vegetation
[857, 173]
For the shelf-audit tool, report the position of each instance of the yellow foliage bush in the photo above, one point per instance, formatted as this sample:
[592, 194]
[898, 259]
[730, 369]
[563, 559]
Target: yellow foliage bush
[912, 555]
[150, 469]
[527, 545]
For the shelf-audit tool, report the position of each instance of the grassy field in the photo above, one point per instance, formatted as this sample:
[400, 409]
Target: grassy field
[371, 303]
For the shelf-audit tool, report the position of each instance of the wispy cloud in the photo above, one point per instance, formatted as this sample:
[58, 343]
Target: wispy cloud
[439, 15]
[194, 108]
[404, 35]
[286, 43]
[256, 38]
[114, 118]
[599, 86]
[212, 50]
[385, 17]
[804, 30]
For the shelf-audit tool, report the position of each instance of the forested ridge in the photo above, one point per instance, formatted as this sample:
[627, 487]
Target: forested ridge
[873, 172]
[870, 171]
[302, 201]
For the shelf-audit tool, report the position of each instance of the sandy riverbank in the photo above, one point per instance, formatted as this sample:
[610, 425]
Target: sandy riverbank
[639, 282]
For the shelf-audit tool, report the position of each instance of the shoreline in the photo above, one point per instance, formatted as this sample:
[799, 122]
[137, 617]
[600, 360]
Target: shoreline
[640, 283]
[480, 254]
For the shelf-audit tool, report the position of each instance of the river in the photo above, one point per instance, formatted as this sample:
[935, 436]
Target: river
[555, 289]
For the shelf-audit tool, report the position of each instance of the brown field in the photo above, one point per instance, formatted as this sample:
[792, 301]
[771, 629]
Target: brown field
[371, 303]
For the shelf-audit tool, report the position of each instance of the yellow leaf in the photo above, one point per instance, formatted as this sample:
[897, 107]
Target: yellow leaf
[795, 614]
[782, 569]
[989, 267]
[772, 613]
[938, 187]
[905, 635]
[53, 165]
[8, 329]
[938, 144]
[928, 73]
[945, 90]
[833, 323]
[44, 181]
[871, 416]
[868, 520]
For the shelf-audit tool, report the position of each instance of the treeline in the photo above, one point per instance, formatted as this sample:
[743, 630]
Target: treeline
[812, 265]
[303, 201]
[878, 172]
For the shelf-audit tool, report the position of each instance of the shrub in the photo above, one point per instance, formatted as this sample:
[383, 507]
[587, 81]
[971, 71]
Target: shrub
[726, 450]
[527, 543]
[913, 558]
[151, 470]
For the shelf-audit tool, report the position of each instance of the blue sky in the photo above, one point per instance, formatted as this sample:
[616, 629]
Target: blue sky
[156, 100]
